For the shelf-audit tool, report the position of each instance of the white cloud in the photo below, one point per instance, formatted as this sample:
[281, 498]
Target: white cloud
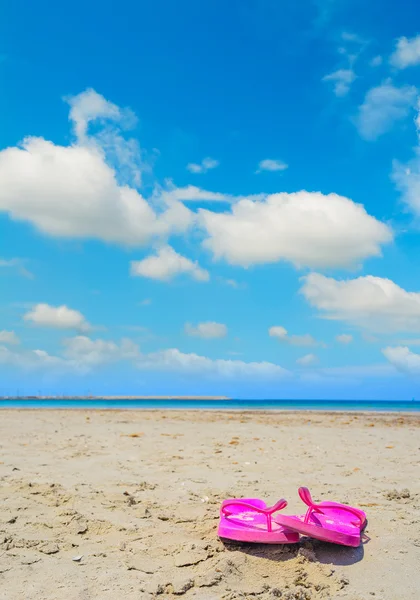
[344, 338]
[205, 165]
[88, 353]
[382, 107]
[342, 79]
[90, 106]
[403, 359]
[232, 283]
[34, 360]
[406, 53]
[58, 317]
[166, 265]
[370, 302]
[280, 333]
[307, 229]
[18, 264]
[208, 330]
[376, 61]
[348, 36]
[72, 191]
[269, 164]
[407, 180]
[407, 176]
[173, 360]
[191, 193]
[81, 355]
[307, 360]
[9, 337]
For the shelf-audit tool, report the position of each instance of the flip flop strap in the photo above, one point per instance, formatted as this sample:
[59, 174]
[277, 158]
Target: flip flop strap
[313, 507]
[268, 511]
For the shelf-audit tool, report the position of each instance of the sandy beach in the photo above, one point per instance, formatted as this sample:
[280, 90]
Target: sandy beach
[117, 504]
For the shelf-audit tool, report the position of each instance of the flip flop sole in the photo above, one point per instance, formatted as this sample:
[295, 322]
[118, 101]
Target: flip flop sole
[257, 537]
[320, 533]
[250, 520]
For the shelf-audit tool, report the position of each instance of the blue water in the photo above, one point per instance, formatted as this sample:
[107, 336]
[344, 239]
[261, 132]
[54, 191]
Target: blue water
[327, 405]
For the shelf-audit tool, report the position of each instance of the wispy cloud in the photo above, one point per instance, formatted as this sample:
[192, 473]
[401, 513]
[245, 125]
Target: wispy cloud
[192, 193]
[376, 61]
[18, 264]
[281, 334]
[9, 337]
[350, 374]
[146, 302]
[406, 53]
[269, 164]
[173, 360]
[325, 11]
[232, 283]
[207, 330]
[382, 107]
[307, 360]
[348, 36]
[205, 165]
[342, 79]
[407, 176]
[344, 338]
[409, 342]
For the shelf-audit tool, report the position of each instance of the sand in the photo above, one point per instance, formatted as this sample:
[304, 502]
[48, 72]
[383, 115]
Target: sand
[116, 505]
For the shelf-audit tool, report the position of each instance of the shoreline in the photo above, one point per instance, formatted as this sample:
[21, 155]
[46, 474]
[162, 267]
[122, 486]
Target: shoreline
[224, 411]
[211, 402]
[202, 398]
[114, 398]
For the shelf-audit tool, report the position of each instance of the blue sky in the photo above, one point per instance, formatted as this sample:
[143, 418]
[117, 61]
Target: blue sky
[206, 199]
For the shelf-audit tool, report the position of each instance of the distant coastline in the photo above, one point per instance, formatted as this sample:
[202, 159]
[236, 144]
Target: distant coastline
[90, 402]
[198, 398]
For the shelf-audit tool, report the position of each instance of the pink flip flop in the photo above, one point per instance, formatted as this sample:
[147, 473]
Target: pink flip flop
[327, 521]
[250, 520]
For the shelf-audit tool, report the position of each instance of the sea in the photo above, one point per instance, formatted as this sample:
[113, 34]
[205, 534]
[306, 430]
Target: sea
[200, 404]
